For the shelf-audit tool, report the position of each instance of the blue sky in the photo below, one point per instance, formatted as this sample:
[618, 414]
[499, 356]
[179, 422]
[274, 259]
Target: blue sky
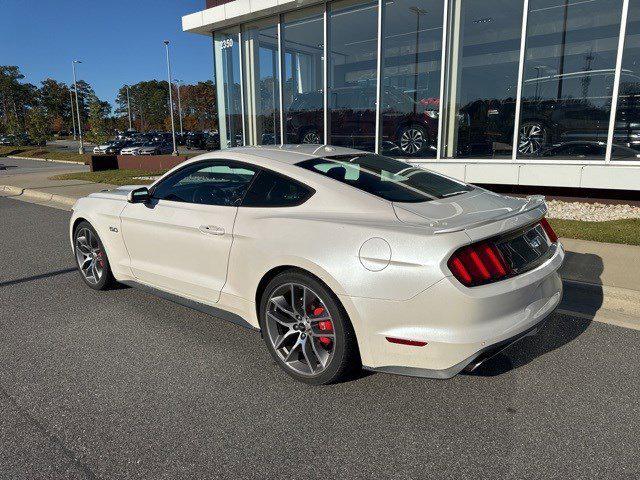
[118, 41]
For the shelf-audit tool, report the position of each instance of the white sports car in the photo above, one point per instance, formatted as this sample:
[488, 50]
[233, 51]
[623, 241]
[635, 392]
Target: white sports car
[341, 258]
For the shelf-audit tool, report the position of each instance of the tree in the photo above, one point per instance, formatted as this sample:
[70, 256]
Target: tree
[15, 99]
[38, 125]
[99, 124]
[55, 98]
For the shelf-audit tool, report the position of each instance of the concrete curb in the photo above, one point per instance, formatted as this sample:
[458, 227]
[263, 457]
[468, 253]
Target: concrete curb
[38, 196]
[44, 160]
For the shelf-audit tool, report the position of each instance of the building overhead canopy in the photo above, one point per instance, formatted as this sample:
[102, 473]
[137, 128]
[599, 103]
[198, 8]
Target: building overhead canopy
[225, 13]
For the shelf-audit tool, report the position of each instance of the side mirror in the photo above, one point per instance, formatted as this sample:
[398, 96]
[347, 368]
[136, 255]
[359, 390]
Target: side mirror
[139, 195]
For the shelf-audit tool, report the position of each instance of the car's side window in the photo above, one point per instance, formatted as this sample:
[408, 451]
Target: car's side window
[271, 189]
[221, 182]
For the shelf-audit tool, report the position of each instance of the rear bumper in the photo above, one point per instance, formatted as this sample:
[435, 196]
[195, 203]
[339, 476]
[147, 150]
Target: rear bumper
[467, 365]
[460, 325]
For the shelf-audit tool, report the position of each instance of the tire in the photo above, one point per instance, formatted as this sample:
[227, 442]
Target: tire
[310, 137]
[413, 140]
[318, 348]
[532, 138]
[91, 258]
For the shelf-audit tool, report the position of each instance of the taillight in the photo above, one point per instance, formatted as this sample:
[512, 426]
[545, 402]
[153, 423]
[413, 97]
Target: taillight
[553, 236]
[478, 264]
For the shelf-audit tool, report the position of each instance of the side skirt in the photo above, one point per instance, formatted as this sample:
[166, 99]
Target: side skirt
[192, 304]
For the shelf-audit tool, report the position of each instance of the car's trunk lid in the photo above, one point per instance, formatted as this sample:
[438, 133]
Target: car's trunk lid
[479, 213]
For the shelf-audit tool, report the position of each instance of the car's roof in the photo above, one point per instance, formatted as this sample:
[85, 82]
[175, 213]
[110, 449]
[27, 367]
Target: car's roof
[292, 154]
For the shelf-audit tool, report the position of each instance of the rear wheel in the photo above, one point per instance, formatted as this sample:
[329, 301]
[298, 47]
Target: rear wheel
[91, 257]
[533, 138]
[306, 330]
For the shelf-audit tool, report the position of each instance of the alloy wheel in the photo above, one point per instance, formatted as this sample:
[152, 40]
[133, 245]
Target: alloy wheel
[412, 141]
[311, 137]
[300, 329]
[89, 255]
[532, 137]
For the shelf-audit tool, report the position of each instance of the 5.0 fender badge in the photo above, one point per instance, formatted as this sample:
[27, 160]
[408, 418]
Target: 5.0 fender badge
[113, 229]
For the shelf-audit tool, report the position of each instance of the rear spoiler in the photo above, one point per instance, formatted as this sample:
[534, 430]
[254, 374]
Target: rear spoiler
[533, 202]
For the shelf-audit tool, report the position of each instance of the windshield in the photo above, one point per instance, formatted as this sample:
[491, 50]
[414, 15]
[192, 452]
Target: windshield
[385, 177]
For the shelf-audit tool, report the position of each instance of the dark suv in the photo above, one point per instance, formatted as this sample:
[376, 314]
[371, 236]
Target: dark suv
[580, 115]
[408, 127]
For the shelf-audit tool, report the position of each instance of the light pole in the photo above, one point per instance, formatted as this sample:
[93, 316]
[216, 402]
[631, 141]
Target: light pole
[178, 82]
[419, 12]
[129, 107]
[75, 87]
[73, 118]
[173, 126]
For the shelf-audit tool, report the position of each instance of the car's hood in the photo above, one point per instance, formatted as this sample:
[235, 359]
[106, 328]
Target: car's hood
[461, 212]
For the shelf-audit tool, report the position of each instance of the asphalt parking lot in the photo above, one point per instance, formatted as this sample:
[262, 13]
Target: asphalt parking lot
[120, 384]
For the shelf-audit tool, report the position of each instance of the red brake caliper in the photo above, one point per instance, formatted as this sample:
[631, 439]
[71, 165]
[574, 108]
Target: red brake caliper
[323, 326]
[100, 260]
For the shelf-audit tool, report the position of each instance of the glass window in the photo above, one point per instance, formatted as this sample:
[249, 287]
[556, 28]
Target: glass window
[353, 65]
[303, 84]
[484, 53]
[626, 134]
[385, 177]
[227, 62]
[209, 183]
[412, 43]
[262, 90]
[273, 190]
[568, 76]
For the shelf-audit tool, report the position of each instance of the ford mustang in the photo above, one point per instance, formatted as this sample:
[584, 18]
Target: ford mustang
[342, 259]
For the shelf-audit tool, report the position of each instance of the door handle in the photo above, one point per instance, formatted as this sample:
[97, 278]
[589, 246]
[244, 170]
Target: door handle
[211, 230]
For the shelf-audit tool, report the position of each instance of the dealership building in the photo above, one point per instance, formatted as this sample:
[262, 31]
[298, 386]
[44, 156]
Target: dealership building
[513, 92]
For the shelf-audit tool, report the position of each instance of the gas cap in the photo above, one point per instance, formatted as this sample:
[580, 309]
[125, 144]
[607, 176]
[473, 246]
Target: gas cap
[375, 254]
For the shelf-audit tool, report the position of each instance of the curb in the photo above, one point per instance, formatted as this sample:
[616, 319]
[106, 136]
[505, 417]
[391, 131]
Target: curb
[14, 157]
[38, 196]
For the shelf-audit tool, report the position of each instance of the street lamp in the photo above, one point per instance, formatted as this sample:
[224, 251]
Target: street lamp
[75, 87]
[178, 83]
[418, 12]
[129, 108]
[73, 113]
[173, 126]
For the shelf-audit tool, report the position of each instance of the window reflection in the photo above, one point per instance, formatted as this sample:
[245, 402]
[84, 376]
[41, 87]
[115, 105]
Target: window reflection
[227, 60]
[568, 78]
[353, 33]
[483, 73]
[262, 97]
[303, 97]
[412, 38]
[626, 135]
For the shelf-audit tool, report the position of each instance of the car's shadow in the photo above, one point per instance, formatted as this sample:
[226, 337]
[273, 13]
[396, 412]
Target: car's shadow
[558, 330]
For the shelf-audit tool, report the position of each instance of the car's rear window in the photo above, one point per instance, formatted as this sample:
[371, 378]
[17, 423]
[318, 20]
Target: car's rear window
[385, 177]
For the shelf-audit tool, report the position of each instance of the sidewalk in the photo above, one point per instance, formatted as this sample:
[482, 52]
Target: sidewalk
[601, 280]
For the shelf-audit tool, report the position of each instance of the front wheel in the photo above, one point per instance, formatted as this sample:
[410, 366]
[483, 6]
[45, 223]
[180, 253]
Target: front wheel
[306, 330]
[91, 257]
[413, 140]
[311, 137]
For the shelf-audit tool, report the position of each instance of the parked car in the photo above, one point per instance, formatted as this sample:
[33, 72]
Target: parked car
[133, 148]
[340, 258]
[196, 141]
[155, 148]
[409, 126]
[546, 121]
[7, 140]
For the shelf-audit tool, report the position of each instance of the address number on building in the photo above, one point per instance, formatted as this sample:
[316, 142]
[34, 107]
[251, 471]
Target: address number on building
[228, 43]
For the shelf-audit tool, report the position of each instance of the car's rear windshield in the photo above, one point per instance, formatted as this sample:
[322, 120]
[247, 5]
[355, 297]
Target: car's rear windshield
[385, 177]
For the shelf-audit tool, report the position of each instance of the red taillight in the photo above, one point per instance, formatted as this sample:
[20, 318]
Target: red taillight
[553, 237]
[402, 341]
[478, 264]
